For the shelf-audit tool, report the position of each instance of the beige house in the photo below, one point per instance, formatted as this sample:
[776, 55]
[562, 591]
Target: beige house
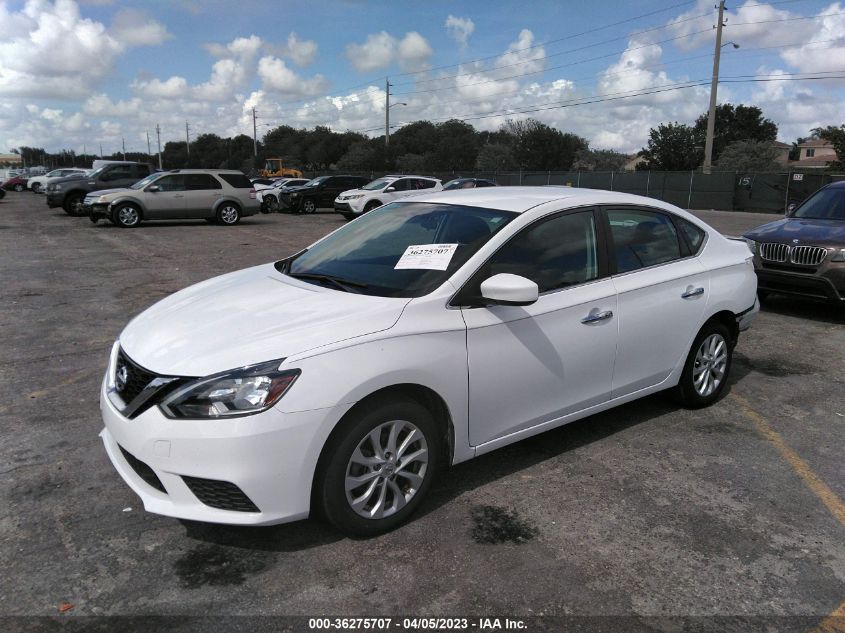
[10, 160]
[814, 154]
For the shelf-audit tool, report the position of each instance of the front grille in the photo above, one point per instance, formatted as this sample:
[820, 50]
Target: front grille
[808, 255]
[143, 471]
[136, 378]
[774, 252]
[220, 494]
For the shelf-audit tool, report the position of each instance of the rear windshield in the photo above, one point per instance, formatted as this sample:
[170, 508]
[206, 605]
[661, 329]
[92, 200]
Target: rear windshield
[238, 181]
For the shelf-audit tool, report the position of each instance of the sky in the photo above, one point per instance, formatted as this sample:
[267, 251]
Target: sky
[80, 74]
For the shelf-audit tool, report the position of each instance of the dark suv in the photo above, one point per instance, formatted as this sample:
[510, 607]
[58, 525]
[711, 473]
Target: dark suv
[69, 193]
[319, 192]
[804, 254]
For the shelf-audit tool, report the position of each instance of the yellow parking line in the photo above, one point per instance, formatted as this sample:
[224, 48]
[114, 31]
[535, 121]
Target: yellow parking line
[811, 479]
[835, 622]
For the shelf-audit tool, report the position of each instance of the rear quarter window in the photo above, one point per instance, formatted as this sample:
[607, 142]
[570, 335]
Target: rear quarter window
[693, 235]
[238, 181]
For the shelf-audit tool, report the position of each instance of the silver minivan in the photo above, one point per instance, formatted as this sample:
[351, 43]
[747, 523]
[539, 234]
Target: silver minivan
[216, 195]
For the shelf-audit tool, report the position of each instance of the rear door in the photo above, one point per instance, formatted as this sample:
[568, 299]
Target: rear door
[662, 293]
[202, 193]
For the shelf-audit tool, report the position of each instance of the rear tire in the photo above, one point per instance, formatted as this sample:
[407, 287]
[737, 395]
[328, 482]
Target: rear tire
[36, 187]
[707, 368]
[394, 475]
[229, 214]
[763, 295]
[18, 187]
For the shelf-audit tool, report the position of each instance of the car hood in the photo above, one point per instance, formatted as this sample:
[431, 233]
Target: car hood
[247, 317]
[805, 230]
[300, 188]
[61, 179]
[106, 192]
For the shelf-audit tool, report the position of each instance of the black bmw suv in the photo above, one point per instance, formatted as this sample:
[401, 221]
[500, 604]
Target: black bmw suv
[804, 254]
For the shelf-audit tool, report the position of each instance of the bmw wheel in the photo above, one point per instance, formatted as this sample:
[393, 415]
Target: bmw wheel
[376, 470]
[707, 367]
[229, 214]
[127, 215]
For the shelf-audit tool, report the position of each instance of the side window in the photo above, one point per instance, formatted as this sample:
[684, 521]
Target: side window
[424, 183]
[202, 182]
[642, 239]
[693, 234]
[554, 253]
[121, 172]
[400, 185]
[171, 183]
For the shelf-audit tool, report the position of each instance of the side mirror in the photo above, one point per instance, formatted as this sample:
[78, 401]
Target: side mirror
[153, 189]
[790, 208]
[509, 290]
[390, 189]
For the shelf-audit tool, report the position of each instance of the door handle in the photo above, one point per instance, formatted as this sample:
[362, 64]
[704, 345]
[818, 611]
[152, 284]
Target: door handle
[596, 316]
[178, 195]
[692, 292]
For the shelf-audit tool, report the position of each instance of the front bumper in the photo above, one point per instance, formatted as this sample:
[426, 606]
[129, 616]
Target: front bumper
[96, 211]
[825, 282]
[268, 458]
[55, 199]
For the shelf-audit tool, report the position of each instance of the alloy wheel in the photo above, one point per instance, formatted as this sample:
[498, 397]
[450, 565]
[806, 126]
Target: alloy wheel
[128, 216]
[386, 469]
[229, 214]
[711, 360]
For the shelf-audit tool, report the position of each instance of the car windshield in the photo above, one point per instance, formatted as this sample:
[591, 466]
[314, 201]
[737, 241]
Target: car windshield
[825, 204]
[96, 173]
[143, 183]
[316, 181]
[364, 256]
[375, 185]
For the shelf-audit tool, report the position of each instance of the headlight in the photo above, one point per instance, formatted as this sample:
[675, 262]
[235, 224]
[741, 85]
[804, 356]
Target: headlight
[103, 199]
[752, 245]
[294, 195]
[355, 197]
[838, 257]
[235, 393]
[54, 187]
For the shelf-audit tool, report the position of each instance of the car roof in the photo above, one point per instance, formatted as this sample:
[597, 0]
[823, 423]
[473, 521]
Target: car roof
[520, 199]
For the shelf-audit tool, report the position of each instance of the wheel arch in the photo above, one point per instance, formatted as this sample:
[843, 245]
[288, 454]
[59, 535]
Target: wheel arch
[421, 394]
[728, 319]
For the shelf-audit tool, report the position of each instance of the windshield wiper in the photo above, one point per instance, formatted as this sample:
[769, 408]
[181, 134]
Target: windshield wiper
[338, 282]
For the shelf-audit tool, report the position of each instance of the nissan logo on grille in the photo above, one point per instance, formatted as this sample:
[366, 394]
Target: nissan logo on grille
[121, 376]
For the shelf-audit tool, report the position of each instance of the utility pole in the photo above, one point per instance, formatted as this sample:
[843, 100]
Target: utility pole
[158, 138]
[101, 150]
[123, 144]
[714, 85]
[386, 112]
[149, 151]
[254, 135]
[187, 144]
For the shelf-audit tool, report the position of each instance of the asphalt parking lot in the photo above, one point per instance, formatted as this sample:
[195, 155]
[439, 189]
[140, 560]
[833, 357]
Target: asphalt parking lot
[646, 510]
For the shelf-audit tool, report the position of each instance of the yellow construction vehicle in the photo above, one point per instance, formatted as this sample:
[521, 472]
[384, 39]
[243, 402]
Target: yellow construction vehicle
[275, 167]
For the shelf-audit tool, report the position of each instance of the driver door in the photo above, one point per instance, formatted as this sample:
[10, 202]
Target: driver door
[169, 201]
[533, 364]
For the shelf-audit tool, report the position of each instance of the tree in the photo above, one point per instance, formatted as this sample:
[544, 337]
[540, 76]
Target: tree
[599, 160]
[457, 146]
[836, 137]
[735, 123]
[495, 157]
[538, 146]
[750, 156]
[672, 147]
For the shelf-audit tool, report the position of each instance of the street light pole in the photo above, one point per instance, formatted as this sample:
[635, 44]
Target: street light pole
[714, 85]
[386, 112]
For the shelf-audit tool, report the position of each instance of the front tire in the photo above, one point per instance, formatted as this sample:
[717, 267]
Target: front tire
[309, 206]
[127, 216]
[378, 467]
[707, 367]
[73, 204]
[229, 214]
[36, 187]
[373, 204]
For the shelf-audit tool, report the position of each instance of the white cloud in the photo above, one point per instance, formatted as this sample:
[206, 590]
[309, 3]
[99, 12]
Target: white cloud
[460, 29]
[301, 52]
[377, 51]
[277, 77]
[413, 52]
[134, 28]
[173, 88]
[101, 105]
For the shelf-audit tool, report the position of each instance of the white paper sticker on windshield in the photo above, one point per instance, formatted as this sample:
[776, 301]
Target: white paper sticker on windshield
[427, 256]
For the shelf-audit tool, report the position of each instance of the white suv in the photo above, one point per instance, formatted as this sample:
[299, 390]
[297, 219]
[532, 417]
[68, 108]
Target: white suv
[355, 202]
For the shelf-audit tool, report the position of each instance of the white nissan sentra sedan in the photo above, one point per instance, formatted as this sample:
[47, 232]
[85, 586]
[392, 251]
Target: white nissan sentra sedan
[422, 334]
